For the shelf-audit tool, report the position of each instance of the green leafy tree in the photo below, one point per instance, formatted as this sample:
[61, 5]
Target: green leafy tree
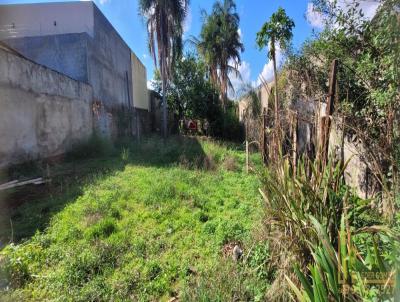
[368, 90]
[190, 94]
[164, 19]
[276, 32]
[220, 45]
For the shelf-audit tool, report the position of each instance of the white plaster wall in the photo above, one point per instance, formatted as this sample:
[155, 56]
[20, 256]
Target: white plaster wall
[41, 19]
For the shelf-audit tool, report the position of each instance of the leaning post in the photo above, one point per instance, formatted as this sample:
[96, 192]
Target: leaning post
[329, 110]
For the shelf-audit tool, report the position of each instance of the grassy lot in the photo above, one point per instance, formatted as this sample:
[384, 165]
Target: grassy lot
[149, 222]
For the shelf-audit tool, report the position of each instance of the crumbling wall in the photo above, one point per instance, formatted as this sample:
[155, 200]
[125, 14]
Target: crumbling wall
[348, 148]
[42, 112]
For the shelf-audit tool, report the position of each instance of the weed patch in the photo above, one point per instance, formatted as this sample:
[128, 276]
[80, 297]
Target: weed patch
[146, 230]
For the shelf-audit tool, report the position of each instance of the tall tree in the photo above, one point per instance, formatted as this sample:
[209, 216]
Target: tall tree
[220, 45]
[190, 93]
[164, 20]
[276, 32]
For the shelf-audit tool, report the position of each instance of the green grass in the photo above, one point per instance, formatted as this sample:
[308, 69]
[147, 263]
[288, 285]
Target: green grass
[141, 224]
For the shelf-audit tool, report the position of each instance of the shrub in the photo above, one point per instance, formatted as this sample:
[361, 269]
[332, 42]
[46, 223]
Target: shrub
[227, 126]
[304, 213]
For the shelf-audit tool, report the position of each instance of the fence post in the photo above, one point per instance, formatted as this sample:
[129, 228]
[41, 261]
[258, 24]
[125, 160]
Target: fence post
[294, 146]
[247, 156]
[326, 123]
[263, 144]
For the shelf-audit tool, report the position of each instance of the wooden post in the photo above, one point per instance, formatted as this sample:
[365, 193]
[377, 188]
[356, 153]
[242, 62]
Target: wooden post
[294, 140]
[332, 87]
[329, 111]
[263, 143]
[247, 156]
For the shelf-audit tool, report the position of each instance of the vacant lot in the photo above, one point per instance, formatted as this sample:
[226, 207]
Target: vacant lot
[144, 223]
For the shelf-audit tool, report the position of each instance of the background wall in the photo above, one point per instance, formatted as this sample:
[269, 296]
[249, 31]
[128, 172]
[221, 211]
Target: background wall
[109, 59]
[42, 19]
[66, 53]
[139, 83]
[43, 113]
[78, 41]
[82, 45]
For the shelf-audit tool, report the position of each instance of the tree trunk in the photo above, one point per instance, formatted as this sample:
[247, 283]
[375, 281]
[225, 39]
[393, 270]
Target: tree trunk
[277, 135]
[276, 89]
[223, 89]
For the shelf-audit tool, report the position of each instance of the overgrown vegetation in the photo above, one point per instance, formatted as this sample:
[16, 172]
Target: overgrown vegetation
[327, 244]
[164, 219]
[191, 95]
[324, 242]
[305, 212]
[368, 91]
[160, 219]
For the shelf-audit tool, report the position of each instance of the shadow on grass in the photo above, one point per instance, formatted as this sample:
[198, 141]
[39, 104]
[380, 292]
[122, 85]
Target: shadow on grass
[25, 210]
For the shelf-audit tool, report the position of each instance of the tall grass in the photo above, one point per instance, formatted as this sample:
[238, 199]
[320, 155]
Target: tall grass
[309, 215]
[289, 202]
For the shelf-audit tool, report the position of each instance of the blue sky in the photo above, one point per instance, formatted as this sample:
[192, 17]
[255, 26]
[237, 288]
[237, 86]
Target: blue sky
[123, 14]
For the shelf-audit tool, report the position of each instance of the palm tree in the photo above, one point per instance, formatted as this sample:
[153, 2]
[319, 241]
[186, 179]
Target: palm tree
[276, 32]
[164, 20]
[220, 45]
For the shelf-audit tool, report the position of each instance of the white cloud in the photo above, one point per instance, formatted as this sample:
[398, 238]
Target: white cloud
[315, 18]
[238, 83]
[150, 85]
[267, 73]
[368, 7]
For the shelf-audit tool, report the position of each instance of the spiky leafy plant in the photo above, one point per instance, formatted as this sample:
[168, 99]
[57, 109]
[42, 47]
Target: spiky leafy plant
[337, 276]
[309, 214]
[290, 200]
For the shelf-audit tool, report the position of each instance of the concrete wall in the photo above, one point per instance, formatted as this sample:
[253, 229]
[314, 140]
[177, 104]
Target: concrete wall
[109, 73]
[86, 48]
[66, 53]
[42, 112]
[139, 84]
[43, 19]
[306, 131]
[109, 59]
[263, 93]
[350, 150]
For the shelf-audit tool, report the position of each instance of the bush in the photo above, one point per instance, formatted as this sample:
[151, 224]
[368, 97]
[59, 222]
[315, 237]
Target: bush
[226, 125]
[304, 213]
